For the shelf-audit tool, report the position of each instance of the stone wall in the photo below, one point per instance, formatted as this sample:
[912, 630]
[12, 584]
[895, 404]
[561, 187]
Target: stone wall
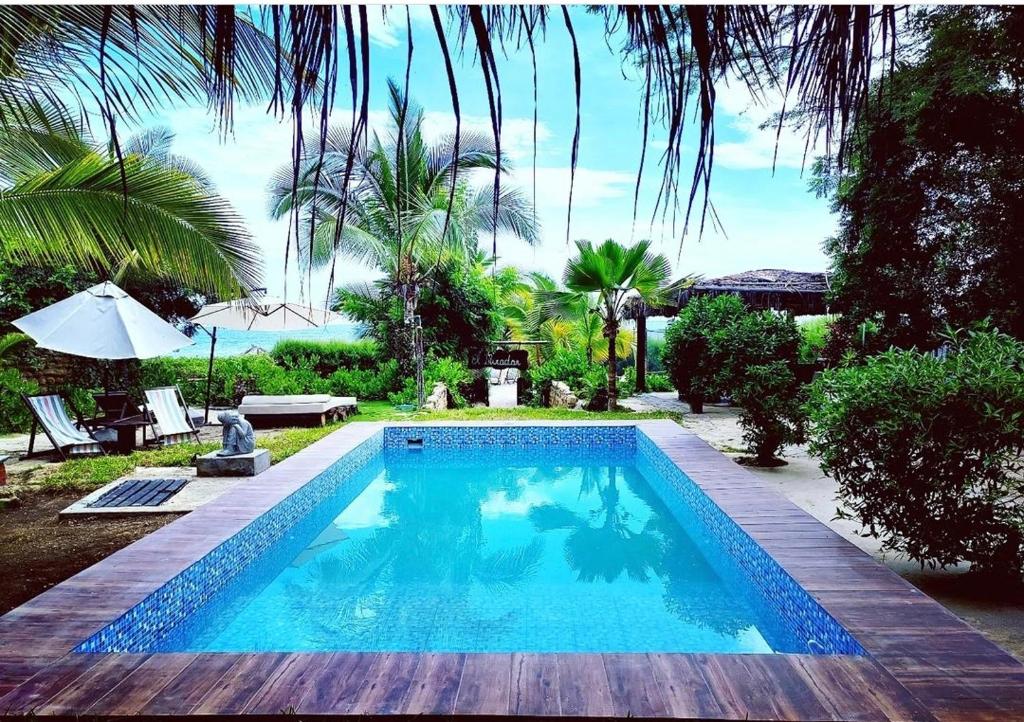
[561, 396]
[438, 399]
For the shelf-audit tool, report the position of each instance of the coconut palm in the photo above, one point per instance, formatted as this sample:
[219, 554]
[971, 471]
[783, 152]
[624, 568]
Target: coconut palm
[66, 199]
[393, 197]
[132, 57]
[607, 276]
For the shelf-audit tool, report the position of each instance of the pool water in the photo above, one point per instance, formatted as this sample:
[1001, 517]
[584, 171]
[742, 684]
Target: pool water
[494, 550]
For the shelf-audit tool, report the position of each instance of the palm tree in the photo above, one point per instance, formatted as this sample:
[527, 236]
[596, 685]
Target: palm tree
[820, 58]
[606, 276]
[386, 204]
[67, 199]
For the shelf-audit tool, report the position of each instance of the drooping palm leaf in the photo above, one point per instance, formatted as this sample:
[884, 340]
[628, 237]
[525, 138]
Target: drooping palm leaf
[820, 58]
[80, 205]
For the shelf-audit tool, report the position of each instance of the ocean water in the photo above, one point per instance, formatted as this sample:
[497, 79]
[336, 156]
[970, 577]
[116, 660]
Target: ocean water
[235, 343]
[544, 549]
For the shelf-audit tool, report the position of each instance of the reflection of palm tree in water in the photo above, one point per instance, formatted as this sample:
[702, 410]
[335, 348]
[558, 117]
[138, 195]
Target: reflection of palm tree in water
[433, 543]
[610, 547]
[607, 543]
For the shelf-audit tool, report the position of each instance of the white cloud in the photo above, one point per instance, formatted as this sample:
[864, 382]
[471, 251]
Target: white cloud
[757, 147]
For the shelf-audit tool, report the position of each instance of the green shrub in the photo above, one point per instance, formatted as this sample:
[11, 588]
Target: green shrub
[233, 378]
[569, 366]
[927, 451]
[713, 341]
[659, 382]
[771, 413]
[325, 357]
[371, 384]
[813, 337]
[655, 348]
[452, 373]
[14, 415]
[688, 355]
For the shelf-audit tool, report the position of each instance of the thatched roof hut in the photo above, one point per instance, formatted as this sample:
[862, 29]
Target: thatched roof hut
[799, 292]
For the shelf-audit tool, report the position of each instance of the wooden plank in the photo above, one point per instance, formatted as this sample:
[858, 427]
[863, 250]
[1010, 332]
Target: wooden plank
[583, 686]
[26, 697]
[239, 684]
[287, 685]
[485, 686]
[336, 685]
[183, 693]
[435, 685]
[534, 685]
[685, 690]
[634, 689]
[93, 684]
[387, 681]
[131, 694]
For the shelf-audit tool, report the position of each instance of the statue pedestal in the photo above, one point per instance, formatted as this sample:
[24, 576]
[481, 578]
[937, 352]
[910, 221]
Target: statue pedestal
[251, 464]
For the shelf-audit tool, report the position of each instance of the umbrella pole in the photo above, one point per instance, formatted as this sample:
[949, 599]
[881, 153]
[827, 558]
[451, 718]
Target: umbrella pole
[209, 374]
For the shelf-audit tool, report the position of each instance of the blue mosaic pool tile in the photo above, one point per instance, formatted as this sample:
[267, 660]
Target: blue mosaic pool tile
[141, 627]
[823, 633]
[182, 598]
[455, 437]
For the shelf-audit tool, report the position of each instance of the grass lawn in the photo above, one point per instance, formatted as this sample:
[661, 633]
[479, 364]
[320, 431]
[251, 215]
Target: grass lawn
[91, 473]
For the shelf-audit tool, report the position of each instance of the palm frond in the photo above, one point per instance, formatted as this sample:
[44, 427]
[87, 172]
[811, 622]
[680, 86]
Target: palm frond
[83, 213]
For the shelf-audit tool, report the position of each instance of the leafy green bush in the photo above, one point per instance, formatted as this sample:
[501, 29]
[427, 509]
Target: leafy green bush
[813, 337]
[452, 373]
[655, 348]
[771, 413]
[927, 451]
[713, 341]
[325, 357]
[571, 367]
[371, 384]
[14, 416]
[688, 355]
[659, 382]
[233, 378]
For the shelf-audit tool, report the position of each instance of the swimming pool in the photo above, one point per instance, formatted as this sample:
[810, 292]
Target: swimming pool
[487, 539]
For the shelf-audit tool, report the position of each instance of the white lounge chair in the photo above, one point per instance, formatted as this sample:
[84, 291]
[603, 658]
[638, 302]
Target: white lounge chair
[167, 408]
[68, 438]
[314, 409]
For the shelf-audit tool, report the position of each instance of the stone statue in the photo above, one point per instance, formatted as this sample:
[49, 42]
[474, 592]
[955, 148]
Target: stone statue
[237, 434]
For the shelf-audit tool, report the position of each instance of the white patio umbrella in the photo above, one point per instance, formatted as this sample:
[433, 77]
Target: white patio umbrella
[102, 322]
[263, 313]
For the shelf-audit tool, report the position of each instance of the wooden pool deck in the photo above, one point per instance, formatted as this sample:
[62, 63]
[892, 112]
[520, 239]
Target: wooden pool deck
[923, 663]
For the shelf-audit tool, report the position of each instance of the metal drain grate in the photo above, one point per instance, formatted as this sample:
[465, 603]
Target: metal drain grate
[140, 492]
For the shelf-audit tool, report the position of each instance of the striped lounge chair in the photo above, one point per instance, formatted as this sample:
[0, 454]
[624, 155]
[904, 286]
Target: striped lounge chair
[67, 437]
[168, 410]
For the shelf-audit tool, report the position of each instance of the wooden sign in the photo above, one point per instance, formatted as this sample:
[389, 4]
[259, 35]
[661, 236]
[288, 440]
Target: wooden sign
[499, 359]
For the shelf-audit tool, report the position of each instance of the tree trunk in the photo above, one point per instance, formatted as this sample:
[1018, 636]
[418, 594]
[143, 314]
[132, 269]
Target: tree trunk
[613, 391]
[414, 338]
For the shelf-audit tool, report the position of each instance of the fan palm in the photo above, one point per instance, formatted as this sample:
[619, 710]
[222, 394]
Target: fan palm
[386, 204]
[66, 199]
[604, 277]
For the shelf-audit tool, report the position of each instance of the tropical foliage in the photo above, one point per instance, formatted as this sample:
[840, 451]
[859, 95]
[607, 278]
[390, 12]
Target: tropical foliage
[691, 358]
[132, 58]
[387, 204]
[930, 209]
[927, 451]
[66, 200]
[602, 279]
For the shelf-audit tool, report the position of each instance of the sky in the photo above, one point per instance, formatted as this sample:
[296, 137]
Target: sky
[770, 220]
